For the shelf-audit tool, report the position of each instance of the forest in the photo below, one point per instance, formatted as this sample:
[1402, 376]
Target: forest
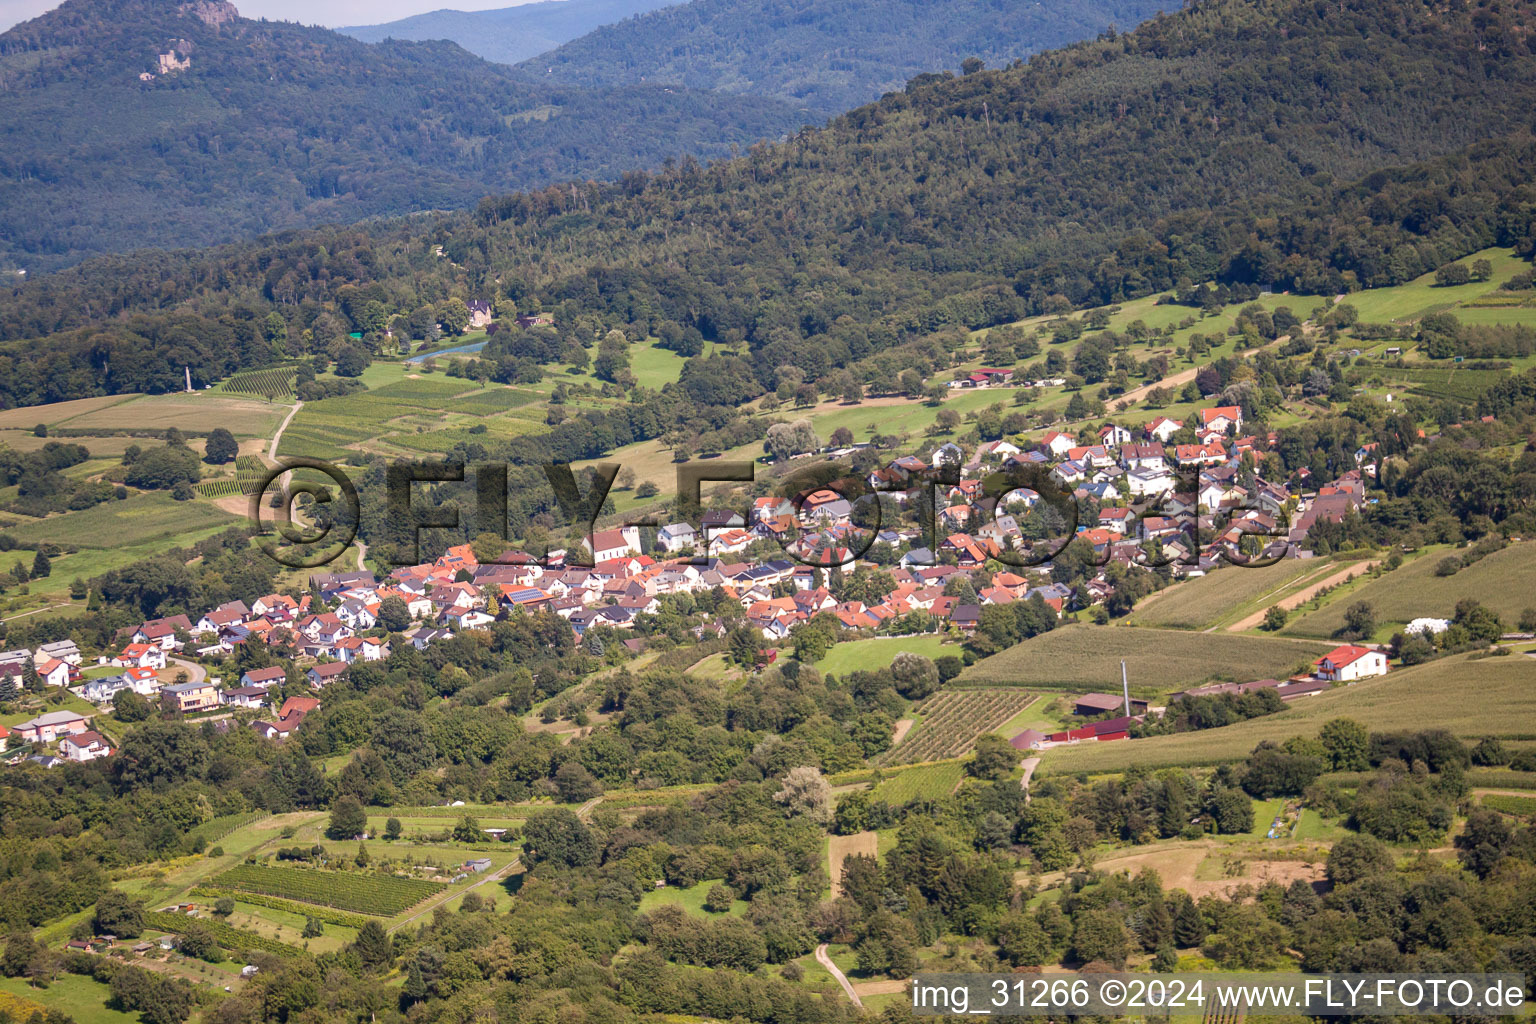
[276, 125]
[828, 59]
[959, 202]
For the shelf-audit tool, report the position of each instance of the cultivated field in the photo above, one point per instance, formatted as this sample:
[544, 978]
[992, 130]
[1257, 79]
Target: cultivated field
[1084, 657]
[929, 781]
[1471, 698]
[137, 519]
[1504, 581]
[1210, 599]
[950, 720]
[878, 652]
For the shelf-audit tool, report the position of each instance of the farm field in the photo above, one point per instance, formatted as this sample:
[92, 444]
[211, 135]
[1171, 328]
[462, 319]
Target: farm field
[1218, 596]
[1085, 657]
[928, 780]
[1504, 581]
[198, 412]
[1488, 696]
[1408, 302]
[878, 652]
[377, 894]
[139, 518]
[950, 721]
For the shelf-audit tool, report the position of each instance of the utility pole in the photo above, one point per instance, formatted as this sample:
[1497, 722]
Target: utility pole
[1126, 684]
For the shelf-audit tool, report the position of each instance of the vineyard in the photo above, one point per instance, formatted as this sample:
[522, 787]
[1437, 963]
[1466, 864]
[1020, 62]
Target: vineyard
[268, 384]
[926, 782]
[214, 829]
[226, 488]
[952, 719]
[326, 914]
[1520, 806]
[378, 895]
[229, 938]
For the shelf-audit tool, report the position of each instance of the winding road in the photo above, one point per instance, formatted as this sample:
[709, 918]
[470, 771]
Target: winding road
[272, 448]
[842, 979]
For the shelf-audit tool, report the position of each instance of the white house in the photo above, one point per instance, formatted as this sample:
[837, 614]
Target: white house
[1057, 443]
[608, 544]
[1349, 662]
[1222, 418]
[54, 672]
[85, 746]
[675, 537]
[1163, 428]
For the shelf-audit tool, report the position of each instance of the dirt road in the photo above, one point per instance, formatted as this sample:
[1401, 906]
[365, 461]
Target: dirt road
[842, 979]
[1304, 595]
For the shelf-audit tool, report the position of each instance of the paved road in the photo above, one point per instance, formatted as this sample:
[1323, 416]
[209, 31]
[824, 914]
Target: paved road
[195, 672]
[842, 979]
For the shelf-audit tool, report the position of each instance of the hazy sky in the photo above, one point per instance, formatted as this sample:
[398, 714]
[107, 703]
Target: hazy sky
[311, 12]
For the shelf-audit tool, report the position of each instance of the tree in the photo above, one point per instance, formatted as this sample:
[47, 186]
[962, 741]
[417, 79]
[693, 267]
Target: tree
[467, 830]
[1274, 618]
[1101, 935]
[373, 947]
[313, 928]
[453, 314]
[1454, 274]
[719, 898]
[1484, 842]
[131, 707]
[394, 615]
[348, 818]
[559, 837]
[118, 914]
[224, 906]
[1355, 857]
[41, 566]
[788, 439]
[221, 446]
[915, 676]
[392, 829]
[1348, 745]
[1360, 620]
[995, 758]
[805, 792]
[19, 951]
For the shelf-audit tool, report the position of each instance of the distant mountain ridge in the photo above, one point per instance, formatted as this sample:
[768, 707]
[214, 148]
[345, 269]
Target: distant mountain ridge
[511, 34]
[153, 123]
[829, 57]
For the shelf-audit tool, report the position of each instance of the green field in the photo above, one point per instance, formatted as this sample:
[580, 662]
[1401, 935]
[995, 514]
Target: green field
[1504, 581]
[690, 899]
[878, 652]
[139, 518]
[930, 781]
[377, 894]
[1222, 595]
[84, 999]
[1407, 302]
[1520, 806]
[1083, 657]
[1471, 698]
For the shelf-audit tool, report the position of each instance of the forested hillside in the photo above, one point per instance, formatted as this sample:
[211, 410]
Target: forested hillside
[828, 57]
[510, 34]
[1229, 142]
[273, 125]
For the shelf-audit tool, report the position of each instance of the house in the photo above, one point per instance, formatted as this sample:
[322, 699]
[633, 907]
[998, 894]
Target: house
[675, 537]
[1211, 454]
[189, 698]
[609, 544]
[480, 314]
[1221, 419]
[1057, 444]
[266, 678]
[60, 650]
[162, 632]
[1349, 662]
[1029, 739]
[224, 616]
[1098, 703]
[141, 655]
[245, 697]
[54, 672]
[1113, 435]
[85, 746]
[326, 672]
[49, 727]
[1115, 519]
[1163, 428]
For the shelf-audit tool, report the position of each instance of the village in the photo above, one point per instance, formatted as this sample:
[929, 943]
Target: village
[1145, 501]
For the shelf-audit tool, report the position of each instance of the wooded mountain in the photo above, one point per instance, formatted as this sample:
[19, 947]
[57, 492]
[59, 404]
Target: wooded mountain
[829, 57]
[1285, 144]
[255, 125]
[510, 34]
